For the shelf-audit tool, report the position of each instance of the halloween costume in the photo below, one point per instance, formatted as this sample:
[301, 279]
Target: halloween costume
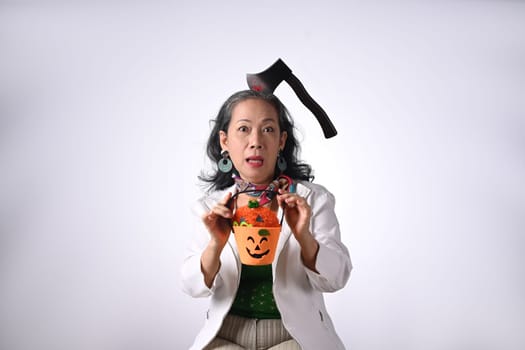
[298, 291]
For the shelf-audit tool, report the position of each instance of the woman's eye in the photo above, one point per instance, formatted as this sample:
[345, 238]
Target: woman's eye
[268, 129]
[243, 128]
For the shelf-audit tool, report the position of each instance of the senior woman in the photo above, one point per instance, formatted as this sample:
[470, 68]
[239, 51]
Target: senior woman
[277, 306]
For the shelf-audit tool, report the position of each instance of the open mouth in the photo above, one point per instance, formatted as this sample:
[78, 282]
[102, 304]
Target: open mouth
[256, 255]
[255, 161]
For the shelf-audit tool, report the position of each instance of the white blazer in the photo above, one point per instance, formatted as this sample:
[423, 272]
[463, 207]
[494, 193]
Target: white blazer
[298, 291]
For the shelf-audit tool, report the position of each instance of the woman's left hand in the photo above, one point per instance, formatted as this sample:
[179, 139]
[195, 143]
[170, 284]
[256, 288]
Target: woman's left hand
[297, 212]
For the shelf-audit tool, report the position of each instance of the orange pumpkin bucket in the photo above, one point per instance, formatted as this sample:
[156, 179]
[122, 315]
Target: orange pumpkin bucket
[256, 231]
[256, 245]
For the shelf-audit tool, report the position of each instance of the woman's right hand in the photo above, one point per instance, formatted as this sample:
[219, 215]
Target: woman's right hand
[218, 221]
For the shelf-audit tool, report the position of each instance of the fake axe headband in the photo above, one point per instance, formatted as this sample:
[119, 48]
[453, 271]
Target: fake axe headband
[268, 80]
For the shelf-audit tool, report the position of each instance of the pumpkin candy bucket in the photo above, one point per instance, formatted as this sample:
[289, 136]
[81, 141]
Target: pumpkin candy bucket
[256, 245]
[256, 231]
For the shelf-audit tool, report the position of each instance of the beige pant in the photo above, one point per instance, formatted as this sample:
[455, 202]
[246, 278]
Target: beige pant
[239, 333]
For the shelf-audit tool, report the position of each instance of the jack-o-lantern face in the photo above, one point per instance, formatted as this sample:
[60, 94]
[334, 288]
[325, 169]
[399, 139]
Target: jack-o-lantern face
[256, 252]
[256, 245]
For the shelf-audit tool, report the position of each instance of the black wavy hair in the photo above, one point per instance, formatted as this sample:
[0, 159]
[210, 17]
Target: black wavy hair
[295, 169]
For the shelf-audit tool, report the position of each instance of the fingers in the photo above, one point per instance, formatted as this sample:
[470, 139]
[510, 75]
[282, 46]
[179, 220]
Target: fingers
[292, 200]
[220, 209]
[209, 219]
[226, 199]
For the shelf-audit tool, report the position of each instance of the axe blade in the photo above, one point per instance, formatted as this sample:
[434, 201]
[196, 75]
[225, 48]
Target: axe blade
[268, 80]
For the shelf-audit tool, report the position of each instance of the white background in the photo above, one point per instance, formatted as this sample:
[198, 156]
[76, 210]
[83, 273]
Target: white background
[104, 111]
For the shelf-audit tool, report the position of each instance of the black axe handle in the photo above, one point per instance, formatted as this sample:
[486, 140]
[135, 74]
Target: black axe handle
[323, 119]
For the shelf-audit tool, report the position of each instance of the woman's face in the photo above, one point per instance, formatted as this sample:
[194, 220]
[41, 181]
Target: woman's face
[254, 140]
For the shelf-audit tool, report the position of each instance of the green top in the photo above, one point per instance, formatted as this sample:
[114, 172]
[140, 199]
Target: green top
[254, 297]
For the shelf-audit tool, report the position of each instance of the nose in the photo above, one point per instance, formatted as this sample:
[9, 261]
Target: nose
[255, 141]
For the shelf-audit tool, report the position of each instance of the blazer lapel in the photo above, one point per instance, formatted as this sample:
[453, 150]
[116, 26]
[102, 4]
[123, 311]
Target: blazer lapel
[231, 240]
[286, 232]
[284, 236]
